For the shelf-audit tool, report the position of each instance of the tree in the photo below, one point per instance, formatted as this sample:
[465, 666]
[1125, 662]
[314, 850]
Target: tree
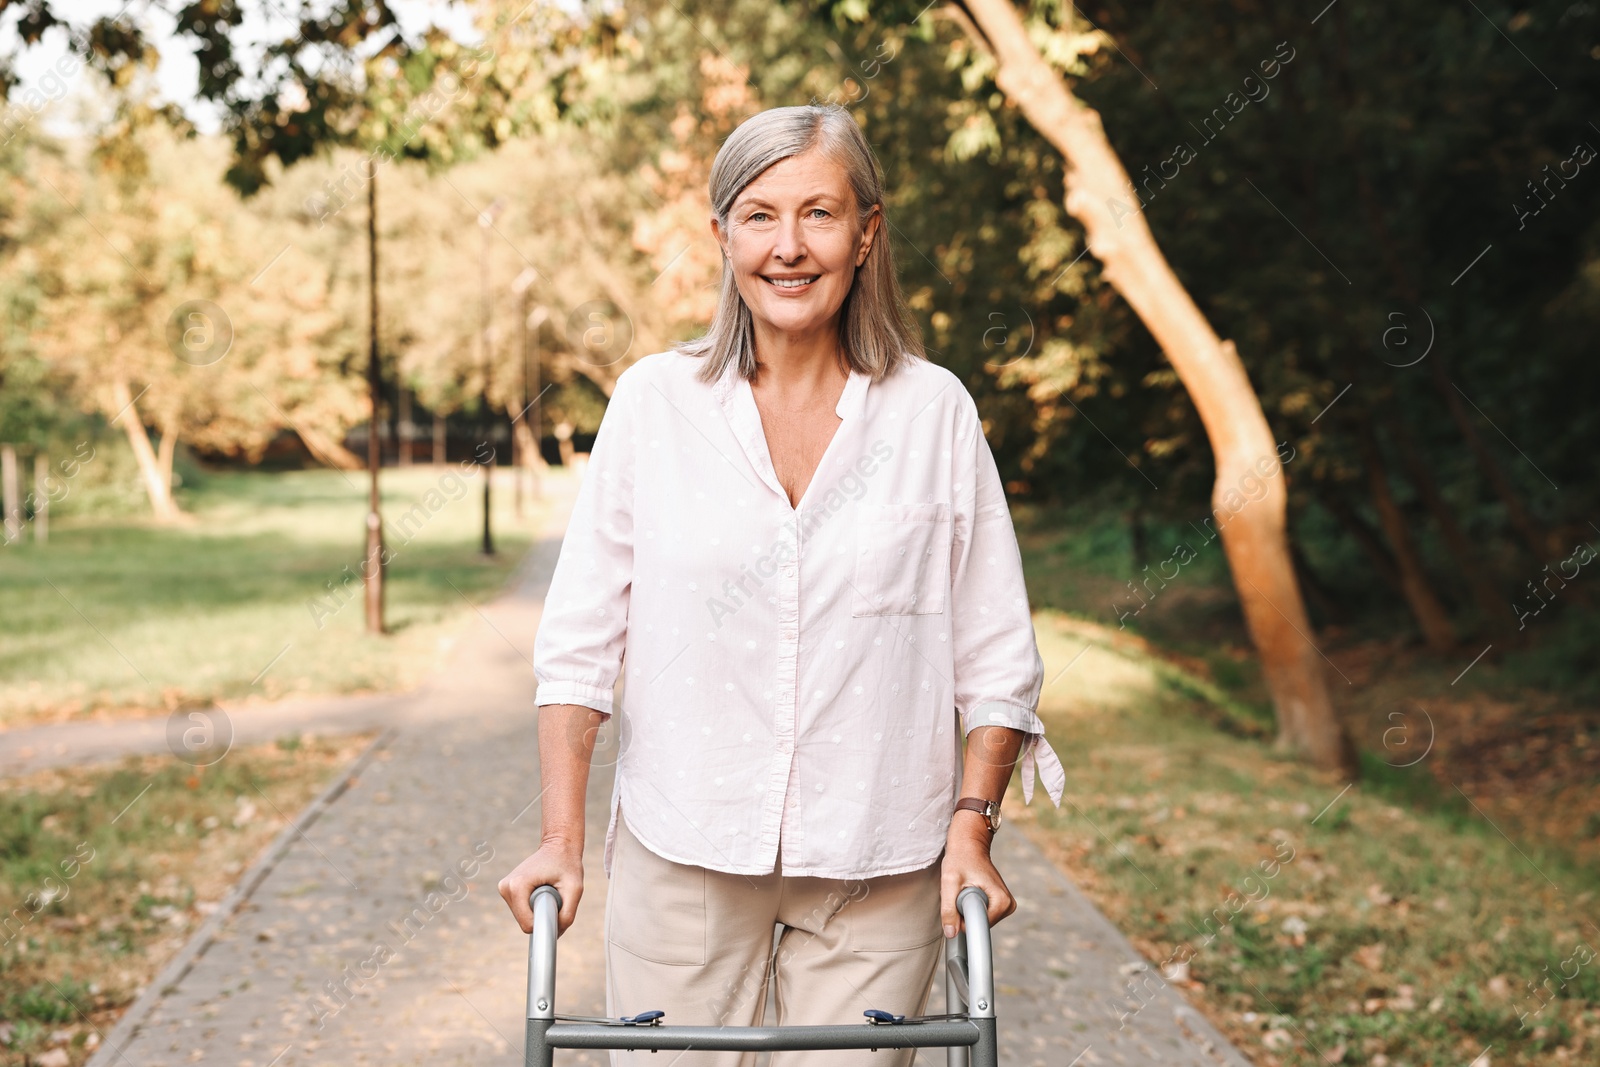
[154, 309]
[347, 75]
[1339, 220]
[1097, 195]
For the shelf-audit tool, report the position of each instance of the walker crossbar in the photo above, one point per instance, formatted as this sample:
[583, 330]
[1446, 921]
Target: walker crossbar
[760, 1038]
[967, 1030]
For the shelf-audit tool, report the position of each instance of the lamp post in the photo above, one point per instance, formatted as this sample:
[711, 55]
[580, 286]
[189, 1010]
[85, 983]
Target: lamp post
[376, 562]
[486, 219]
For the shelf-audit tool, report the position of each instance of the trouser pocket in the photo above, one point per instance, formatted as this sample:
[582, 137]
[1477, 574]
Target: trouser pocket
[656, 908]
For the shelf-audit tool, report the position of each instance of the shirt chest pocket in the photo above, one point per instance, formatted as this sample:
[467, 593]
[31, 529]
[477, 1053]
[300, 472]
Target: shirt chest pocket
[902, 562]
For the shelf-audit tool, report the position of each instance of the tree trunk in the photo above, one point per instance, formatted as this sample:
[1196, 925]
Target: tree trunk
[1491, 605]
[486, 353]
[1137, 547]
[166, 452]
[563, 431]
[1538, 541]
[532, 374]
[1317, 592]
[155, 486]
[526, 452]
[10, 494]
[1395, 262]
[41, 496]
[439, 442]
[1362, 534]
[375, 563]
[327, 450]
[1253, 532]
[1432, 617]
[516, 467]
[402, 430]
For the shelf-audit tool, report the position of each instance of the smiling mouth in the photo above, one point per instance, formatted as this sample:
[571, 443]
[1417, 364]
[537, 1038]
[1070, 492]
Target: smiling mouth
[790, 283]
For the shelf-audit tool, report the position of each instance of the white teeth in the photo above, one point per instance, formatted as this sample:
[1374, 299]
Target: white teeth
[791, 283]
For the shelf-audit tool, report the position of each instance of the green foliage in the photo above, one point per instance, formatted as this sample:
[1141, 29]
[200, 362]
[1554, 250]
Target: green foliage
[1338, 190]
[1321, 187]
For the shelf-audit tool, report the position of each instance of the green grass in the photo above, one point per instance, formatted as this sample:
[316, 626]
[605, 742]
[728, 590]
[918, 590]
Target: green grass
[1424, 927]
[116, 613]
[106, 873]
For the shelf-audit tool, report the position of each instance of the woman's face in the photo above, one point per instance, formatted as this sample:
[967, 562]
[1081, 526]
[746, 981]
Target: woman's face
[793, 243]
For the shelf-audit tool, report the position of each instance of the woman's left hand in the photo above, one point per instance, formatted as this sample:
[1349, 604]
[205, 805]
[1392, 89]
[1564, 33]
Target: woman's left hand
[966, 862]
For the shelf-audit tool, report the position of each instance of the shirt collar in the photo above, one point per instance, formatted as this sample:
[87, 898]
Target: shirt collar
[850, 403]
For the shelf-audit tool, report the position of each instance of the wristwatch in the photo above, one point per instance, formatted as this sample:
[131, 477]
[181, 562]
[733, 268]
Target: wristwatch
[987, 808]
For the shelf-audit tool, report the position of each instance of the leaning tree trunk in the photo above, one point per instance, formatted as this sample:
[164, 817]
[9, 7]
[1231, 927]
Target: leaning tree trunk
[1469, 562]
[1363, 535]
[1254, 533]
[1433, 619]
[156, 487]
[1538, 540]
[327, 450]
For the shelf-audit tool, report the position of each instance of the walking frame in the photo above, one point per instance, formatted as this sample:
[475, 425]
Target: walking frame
[967, 1029]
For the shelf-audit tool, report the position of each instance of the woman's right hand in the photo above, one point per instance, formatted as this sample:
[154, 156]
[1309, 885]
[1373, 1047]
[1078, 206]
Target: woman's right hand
[557, 863]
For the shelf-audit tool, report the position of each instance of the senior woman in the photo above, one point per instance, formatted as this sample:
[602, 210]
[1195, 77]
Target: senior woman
[793, 538]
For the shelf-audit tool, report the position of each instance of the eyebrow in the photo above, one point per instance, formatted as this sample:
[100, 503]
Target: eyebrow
[757, 202]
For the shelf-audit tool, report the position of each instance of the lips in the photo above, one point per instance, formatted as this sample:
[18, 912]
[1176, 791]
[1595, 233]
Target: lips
[790, 284]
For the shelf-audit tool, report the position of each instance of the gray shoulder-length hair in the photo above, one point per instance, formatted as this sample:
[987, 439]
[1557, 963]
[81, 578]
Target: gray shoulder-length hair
[876, 331]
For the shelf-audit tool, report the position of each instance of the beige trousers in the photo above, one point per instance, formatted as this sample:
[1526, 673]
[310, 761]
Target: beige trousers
[698, 944]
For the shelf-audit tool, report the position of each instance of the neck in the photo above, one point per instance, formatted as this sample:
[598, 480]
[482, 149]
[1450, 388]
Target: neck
[799, 364]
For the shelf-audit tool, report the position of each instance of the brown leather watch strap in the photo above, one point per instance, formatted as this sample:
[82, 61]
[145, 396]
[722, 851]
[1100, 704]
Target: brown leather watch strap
[987, 808]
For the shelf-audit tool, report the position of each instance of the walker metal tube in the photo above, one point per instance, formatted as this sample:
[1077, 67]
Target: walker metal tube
[955, 992]
[536, 1048]
[765, 1038]
[969, 962]
[973, 903]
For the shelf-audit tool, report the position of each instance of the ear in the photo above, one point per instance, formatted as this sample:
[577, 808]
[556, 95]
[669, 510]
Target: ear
[716, 232]
[869, 233]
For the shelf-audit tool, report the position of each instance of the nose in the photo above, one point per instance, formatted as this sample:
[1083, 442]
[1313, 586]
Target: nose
[789, 243]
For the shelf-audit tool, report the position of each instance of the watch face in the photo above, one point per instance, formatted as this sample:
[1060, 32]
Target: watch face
[994, 819]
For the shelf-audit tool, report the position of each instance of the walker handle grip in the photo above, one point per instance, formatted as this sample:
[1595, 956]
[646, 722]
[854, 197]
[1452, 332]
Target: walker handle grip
[973, 903]
[545, 901]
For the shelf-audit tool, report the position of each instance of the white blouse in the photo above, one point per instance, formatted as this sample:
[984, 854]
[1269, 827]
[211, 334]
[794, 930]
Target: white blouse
[791, 672]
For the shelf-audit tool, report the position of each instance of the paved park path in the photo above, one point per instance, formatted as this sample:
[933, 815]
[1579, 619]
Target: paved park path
[455, 783]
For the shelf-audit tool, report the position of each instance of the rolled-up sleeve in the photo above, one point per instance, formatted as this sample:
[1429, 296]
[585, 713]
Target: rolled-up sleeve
[577, 652]
[998, 671]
